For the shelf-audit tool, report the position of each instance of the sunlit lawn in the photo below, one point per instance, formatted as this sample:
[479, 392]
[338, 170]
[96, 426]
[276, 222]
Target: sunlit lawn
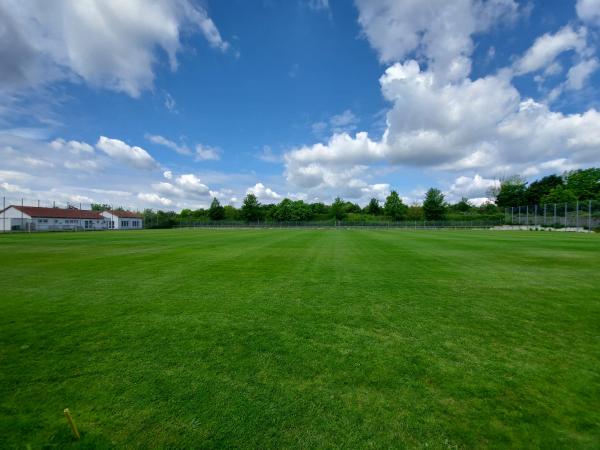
[300, 338]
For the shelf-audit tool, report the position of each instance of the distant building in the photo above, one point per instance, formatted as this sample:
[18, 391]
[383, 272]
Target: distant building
[33, 218]
[123, 220]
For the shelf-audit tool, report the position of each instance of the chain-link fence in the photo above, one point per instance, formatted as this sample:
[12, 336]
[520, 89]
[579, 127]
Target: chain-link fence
[579, 214]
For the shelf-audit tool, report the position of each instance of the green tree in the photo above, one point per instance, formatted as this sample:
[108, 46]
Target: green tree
[585, 183]
[230, 212]
[185, 213]
[463, 205]
[216, 211]
[338, 209]
[251, 210]
[541, 187]
[373, 207]
[394, 207]
[434, 207]
[284, 211]
[415, 212]
[100, 207]
[512, 192]
[560, 194]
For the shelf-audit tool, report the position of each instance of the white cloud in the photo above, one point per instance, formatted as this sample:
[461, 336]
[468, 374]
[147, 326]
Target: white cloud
[546, 48]
[579, 73]
[106, 43]
[160, 140]
[480, 125]
[206, 153]
[559, 165]
[168, 174]
[471, 187]
[133, 156]
[441, 31]
[263, 193]
[154, 199]
[191, 183]
[73, 147]
[589, 11]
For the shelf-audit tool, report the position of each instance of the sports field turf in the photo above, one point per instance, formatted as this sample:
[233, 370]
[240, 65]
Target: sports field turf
[300, 338]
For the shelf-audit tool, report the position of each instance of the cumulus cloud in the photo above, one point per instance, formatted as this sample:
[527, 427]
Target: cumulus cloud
[191, 183]
[482, 125]
[440, 31]
[475, 187]
[589, 11]
[154, 199]
[579, 73]
[132, 156]
[74, 147]
[546, 49]
[263, 193]
[46, 41]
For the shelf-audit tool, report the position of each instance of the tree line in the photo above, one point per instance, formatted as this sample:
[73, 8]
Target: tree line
[582, 185]
[512, 191]
[434, 208]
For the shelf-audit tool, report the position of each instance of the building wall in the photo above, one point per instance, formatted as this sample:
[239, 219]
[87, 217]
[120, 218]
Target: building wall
[130, 224]
[11, 218]
[122, 223]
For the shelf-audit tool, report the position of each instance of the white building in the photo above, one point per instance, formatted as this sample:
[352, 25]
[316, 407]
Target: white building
[33, 218]
[123, 220]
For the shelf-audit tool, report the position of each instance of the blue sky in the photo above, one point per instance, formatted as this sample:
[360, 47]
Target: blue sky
[166, 104]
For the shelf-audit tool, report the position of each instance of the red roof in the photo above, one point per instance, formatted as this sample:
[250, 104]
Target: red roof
[125, 214]
[57, 213]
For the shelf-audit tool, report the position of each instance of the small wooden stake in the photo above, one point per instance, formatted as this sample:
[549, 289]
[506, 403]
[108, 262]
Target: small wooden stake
[72, 424]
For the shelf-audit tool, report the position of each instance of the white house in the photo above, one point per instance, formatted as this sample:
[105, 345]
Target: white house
[33, 218]
[123, 220]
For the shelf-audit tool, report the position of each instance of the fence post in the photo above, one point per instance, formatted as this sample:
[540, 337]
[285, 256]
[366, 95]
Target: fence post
[535, 216]
[527, 215]
[554, 223]
[577, 214]
[566, 207]
[544, 214]
[589, 215]
[512, 215]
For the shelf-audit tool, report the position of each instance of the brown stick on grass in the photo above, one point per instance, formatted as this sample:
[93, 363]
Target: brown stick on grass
[72, 424]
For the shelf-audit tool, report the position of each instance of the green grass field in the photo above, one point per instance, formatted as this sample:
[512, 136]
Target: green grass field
[300, 339]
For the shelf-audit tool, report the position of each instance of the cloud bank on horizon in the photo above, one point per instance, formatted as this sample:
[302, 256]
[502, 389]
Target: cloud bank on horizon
[460, 105]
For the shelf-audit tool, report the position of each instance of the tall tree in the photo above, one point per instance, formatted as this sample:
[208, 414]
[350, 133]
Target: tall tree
[434, 207]
[373, 207]
[560, 194]
[216, 211]
[585, 184]
[250, 208]
[512, 192]
[542, 187]
[463, 206]
[394, 207]
[338, 209]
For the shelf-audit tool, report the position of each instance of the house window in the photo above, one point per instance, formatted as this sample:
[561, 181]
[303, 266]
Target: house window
[125, 223]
